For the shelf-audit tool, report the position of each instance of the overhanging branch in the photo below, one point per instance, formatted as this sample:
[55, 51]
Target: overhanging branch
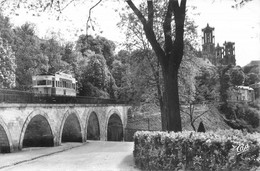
[148, 29]
[136, 11]
[89, 14]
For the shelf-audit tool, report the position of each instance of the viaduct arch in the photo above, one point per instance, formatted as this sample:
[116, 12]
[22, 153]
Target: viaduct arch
[6, 145]
[92, 126]
[114, 123]
[28, 120]
[74, 127]
[88, 121]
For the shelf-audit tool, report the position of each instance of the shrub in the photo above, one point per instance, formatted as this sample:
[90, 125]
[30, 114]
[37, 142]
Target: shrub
[247, 113]
[241, 111]
[229, 110]
[255, 104]
[252, 117]
[220, 150]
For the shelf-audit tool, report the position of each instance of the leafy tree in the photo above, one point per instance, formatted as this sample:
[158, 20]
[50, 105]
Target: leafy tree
[120, 67]
[251, 78]
[7, 65]
[68, 53]
[225, 83]
[252, 71]
[136, 39]
[53, 50]
[123, 56]
[230, 77]
[96, 63]
[94, 77]
[169, 55]
[6, 31]
[248, 68]
[118, 71]
[189, 69]
[29, 58]
[99, 45]
[145, 80]
[206, 85]
[237, 76]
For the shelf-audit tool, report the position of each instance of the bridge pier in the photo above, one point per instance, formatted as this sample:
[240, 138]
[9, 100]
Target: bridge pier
[22, 124]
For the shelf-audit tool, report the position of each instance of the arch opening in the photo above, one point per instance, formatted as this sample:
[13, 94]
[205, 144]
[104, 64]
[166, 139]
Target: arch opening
[4, 143]
[93, 130]
[71, 130]
[115, 128]
[38, 133]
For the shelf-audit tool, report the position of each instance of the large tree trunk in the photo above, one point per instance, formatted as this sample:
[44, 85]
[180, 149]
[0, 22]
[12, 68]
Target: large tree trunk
[169, 58]
[171, 108]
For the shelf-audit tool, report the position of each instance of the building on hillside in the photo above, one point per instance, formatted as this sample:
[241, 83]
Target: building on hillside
[256, 88]
[242, 94]
[217, 55]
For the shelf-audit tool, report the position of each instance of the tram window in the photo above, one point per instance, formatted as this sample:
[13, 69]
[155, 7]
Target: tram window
[41, 82]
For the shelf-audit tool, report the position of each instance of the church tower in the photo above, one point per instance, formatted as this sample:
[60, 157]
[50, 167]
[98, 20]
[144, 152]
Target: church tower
[229, 53]
[219, 54]
[208, 44]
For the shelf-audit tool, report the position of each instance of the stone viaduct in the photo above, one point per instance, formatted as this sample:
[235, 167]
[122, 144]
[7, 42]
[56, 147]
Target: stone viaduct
[23, 124]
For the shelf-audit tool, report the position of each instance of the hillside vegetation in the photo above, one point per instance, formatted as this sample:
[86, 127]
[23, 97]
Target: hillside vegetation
[212, 120]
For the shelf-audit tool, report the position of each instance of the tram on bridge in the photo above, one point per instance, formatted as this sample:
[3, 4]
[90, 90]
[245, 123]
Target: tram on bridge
[60, 88]
[57, 84]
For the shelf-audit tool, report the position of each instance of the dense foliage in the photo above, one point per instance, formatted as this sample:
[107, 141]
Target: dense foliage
[241, 116]
[220, 150]
[24, 54]
[7, 65]
[252, 73]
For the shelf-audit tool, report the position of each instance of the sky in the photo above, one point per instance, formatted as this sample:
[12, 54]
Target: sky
[241, 25]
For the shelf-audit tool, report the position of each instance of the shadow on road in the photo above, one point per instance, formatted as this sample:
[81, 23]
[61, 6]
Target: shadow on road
[128, 162]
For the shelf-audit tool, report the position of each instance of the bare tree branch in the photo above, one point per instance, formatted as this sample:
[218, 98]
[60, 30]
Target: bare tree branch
[89, 15]
[67, 5]
[150, 13]
[185, 112]
[136, 11]
[200, 115]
